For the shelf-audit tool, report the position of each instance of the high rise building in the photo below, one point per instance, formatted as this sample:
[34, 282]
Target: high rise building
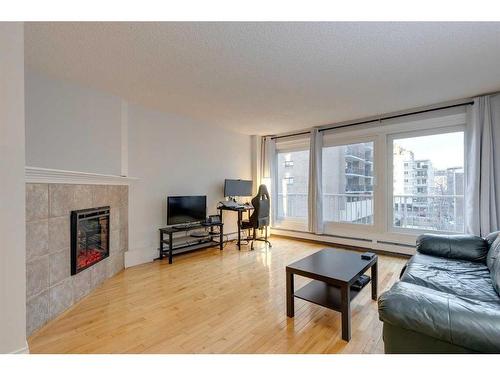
[401, 159]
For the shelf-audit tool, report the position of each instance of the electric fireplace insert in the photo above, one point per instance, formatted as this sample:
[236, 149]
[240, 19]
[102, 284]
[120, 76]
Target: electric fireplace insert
[89, 237]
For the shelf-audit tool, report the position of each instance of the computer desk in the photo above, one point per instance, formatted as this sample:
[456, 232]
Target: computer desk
[239, 210]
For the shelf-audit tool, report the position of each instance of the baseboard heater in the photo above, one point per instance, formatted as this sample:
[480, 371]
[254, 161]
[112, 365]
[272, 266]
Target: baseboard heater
[324, 235]
[396, 244]
[350, 238]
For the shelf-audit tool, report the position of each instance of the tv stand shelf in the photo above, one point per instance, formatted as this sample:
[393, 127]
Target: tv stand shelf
[172, 248]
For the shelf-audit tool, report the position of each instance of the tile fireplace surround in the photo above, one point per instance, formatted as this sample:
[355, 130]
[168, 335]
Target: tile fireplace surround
[50, 289]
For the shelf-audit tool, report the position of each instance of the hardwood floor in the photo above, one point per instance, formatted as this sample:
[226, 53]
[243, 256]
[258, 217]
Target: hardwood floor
[213, 302]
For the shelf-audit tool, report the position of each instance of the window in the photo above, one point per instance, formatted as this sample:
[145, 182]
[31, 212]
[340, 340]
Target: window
[348, 183]
[292, 191]
[436, 201]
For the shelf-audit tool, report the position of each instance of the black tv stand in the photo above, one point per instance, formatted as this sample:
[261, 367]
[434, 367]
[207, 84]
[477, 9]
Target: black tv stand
[212, 239]
[184, 226]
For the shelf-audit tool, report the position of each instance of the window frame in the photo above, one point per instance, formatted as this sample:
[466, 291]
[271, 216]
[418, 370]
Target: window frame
[350, 228]
[390, 179]
[381, 234]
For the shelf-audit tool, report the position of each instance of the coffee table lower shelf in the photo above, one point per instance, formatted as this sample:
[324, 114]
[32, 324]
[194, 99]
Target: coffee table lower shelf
[323, 294]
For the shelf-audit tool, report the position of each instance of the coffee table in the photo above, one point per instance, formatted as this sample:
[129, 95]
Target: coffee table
[333, 272]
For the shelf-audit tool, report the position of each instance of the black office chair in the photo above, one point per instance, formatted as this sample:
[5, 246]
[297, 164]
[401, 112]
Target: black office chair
[260, 217]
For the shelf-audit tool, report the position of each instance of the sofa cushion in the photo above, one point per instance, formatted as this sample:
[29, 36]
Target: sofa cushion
[467, 280]
[493, 253]
[460, 246]
[495, 275]
[493, 263]
[465, 323]
[490, 238]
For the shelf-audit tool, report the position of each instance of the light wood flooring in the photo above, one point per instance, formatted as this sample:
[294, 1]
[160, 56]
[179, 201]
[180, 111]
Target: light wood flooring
[213, 302]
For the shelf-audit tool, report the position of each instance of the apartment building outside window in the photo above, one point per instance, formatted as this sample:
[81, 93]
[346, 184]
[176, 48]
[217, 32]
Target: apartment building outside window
[431, 196]
[292, 188]
[348, 183]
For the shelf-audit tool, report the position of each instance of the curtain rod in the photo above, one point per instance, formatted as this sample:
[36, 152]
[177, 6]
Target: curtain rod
[397, 116]
[290, 135]
[376, 119]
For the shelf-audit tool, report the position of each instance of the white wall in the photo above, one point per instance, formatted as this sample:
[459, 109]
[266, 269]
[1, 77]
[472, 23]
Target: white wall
[175, 156]
[71, 127]
[12, 187]
[76, 128]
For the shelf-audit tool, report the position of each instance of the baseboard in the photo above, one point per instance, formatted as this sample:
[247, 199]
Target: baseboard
[23, 350]
[349, 243]
[135, 257]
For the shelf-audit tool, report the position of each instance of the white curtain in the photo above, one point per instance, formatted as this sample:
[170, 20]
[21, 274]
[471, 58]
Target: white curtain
[482, 188]
[269, 171]
[315, 202]
[268, 157]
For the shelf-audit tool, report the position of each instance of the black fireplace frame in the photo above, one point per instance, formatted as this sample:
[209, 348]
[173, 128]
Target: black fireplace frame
[76, 217]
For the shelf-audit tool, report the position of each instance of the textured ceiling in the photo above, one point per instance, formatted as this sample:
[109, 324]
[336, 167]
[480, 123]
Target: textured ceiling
[261, 78]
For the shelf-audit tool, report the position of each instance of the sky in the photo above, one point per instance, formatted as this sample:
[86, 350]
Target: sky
[444, 150]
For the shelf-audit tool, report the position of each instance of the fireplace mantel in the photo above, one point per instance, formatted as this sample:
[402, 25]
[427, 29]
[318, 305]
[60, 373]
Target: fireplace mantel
[59, 176]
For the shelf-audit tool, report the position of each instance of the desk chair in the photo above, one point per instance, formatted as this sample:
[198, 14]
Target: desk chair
[260, 217]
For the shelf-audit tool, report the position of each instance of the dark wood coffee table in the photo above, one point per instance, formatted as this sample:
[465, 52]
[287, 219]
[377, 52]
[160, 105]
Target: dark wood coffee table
[333, 272]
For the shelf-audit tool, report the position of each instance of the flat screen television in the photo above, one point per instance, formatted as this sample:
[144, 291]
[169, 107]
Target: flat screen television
[238, 188]
[186, 209]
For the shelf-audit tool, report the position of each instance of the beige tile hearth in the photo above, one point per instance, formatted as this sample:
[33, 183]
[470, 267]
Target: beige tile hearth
[60, 297]
[115, 264]
[83, 197]
[37, 276]
[59, 266]
[50, 287]
[37, 311]
[37, 201]
[114, 214]
[82, 283]
[64, 198]
[61, 199]
[37, 238]
[99, 273]
[59, 233]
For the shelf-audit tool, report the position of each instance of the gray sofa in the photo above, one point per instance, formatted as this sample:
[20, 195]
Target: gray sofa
[447, 299]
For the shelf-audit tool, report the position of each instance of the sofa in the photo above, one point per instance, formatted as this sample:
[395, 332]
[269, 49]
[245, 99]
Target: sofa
[447, 299]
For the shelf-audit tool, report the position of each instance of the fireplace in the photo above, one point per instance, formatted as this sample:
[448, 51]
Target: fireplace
[89, 237]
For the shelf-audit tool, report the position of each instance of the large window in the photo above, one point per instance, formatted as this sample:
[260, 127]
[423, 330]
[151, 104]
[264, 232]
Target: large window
[428, 182]
[383, 183]
[348, 183]
[292, 185]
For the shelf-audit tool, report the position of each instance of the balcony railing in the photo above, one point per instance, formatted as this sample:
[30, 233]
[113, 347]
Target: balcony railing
[358, 170]
[359, 155]
[424, 212]
[429, 212]
[350, 208]
[292, 206]
[358, 188]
